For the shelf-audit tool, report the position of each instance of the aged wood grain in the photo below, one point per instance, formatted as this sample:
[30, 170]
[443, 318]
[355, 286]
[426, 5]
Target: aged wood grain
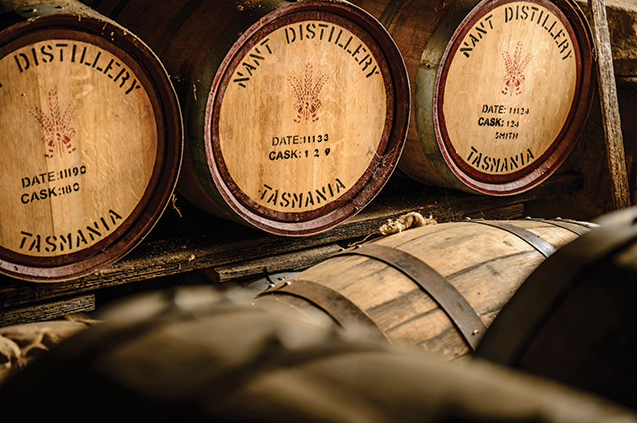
[611, 120]
[91, 140]
[47, 311]
[485, 264]
[622, 25]
[297, 260]
[296, 112]
[458, 67]
[197, 242]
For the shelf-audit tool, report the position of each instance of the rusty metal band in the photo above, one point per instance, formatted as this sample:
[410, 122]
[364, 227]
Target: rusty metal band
[540, 245]
[523, 317]
[332, 302]
[574, 229]
[450, 300]
[587, 225]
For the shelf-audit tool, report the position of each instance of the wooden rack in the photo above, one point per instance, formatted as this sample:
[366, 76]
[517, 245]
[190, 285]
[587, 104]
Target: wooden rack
[230, 252]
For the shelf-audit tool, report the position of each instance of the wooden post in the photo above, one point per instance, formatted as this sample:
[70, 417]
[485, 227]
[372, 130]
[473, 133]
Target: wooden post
[609, 105]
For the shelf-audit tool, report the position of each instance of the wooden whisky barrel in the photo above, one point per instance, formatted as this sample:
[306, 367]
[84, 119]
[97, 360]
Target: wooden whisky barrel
[435, 287]
[21, 344]
[196, 356]
[502, 88]
[574, 319]
[296, 112]
[91, 138]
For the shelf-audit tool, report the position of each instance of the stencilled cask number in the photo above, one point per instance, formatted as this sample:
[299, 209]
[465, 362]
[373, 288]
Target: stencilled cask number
[509, 87]
[286, 153]
[52, 184]
[315, 98]
[502, 119]
[79, 144]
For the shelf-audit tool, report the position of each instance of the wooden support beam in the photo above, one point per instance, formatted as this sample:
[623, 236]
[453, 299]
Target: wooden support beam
[298, 260]
[609, 106]
[47, 311]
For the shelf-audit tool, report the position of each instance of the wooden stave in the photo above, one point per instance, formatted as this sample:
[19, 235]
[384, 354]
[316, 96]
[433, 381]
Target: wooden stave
[412, 28]
[267, 362]
[20, 18]
[580, 330]
[201, 182]
[425, 159]
[421, 321]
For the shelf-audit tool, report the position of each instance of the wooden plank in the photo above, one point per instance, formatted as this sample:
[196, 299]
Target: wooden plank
[298, 260]
[200, 242]
[611, 121]
[511, 212]
[47, 311]
[622, 21]
[514, 211]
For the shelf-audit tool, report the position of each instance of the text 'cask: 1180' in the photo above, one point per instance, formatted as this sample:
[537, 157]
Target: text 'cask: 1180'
[91, 140]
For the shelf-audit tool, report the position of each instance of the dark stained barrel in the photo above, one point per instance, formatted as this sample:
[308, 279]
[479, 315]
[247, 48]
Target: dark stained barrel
[575, 319]
[21, 344]
[502, 89]
[195, 356]
[296, 112]
[91, 140]
[436, 287]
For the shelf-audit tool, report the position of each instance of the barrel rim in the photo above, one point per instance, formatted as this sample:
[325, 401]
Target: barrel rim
[556, 154]
[381, 166]
[245, 48]
[165, 172]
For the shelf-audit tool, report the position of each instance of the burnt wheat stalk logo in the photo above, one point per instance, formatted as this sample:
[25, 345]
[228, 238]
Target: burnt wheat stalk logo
[514, 69]
[307, 92]
[57, 132]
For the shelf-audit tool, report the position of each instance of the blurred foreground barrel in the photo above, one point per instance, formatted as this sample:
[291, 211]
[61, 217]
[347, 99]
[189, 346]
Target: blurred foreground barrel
[502, 88]
[191, 355]
[575, 319]
[21, 344]
[435, 287]
[296, 112]
[91, 140]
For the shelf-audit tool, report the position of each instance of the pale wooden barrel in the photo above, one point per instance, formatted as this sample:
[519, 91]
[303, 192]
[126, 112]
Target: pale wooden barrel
[296, 112]
[91, 138]
[436, 287]
[574, 319]
[502, 89]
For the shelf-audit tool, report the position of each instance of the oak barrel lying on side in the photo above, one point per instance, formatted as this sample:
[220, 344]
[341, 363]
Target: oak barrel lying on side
[436, 287]
[296, 112]
[91, 140]
[575, 319]
[502, 88]
[192, 355]
[21, 344]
